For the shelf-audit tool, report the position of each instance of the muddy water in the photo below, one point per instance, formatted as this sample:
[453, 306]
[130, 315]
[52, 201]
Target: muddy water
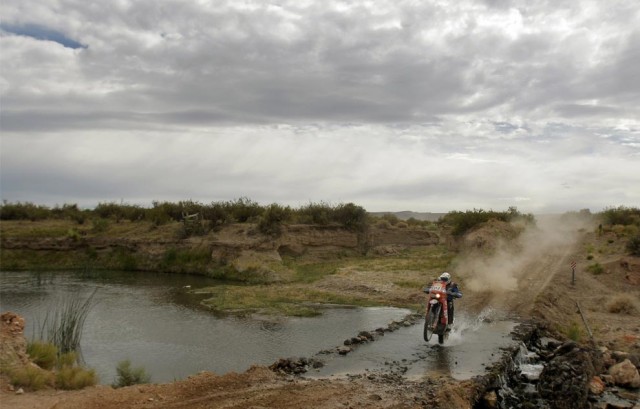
[151, 320]
[472, 345]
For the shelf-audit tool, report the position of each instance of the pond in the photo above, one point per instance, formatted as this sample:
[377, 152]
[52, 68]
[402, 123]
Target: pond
[152, 320]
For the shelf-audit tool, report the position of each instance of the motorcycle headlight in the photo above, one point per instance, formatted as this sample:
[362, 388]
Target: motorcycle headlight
[437, 295]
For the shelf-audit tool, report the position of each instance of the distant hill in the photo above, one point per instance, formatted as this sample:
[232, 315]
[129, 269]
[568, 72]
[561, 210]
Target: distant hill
[405, 215]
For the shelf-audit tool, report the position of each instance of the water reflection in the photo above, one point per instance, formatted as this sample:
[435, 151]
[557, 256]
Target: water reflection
[441, 359]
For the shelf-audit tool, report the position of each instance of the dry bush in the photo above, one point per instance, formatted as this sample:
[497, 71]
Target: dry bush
[383, 224]
[31, 377]
[75, 377]
[622, 304]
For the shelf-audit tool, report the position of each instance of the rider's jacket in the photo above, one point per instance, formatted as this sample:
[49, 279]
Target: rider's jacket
[453, 291]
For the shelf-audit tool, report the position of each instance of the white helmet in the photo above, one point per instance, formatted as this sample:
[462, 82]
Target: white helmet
[445, 277]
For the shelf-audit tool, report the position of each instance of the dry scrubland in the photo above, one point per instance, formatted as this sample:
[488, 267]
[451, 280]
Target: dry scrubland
[514, 266]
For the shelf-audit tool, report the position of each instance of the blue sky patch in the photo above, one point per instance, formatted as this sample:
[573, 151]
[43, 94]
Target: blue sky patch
[41, 33]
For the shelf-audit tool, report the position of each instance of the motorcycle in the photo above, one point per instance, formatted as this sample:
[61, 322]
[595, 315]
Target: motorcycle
[437, 313]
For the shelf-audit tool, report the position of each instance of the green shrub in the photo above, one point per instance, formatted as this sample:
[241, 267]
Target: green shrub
[574, 332]
[633, 245]
[100, 225]
[67, 359]
[73, 234]
[391, 218]
[271, 220]
[351, 216]
[315, 213]
[127, 376]
[243, 210]
[462, 222]
[24, 211]
[621, 215]
[43, 354]
[595, 269]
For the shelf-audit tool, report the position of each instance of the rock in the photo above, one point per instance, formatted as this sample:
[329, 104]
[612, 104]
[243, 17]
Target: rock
[344, 350]
[490, 400]
[596, 385]
[316, 364]
[619, 356]
[20, 391]
[564, 380]
[366, 334]
[565, 348]
[625, 374]
[13, 344]
[610, 401]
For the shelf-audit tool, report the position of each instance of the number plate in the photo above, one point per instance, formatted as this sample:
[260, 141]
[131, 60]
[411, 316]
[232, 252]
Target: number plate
[438, 287]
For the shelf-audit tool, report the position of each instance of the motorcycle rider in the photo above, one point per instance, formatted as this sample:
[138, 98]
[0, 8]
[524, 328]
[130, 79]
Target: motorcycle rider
[452, 292]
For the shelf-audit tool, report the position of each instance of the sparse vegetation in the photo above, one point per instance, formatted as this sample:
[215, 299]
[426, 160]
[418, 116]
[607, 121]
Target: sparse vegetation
[462, 222]
[574, 332]
[53, 370]
[621, 215]
[242, 210]
[289, 300]
[271, 220]
[595, 269]
[127, 376]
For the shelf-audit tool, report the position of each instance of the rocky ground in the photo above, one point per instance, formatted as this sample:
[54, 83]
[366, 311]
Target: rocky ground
[528, 277]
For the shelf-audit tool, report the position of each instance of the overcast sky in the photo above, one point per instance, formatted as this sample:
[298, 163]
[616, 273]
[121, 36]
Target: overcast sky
[393, 105]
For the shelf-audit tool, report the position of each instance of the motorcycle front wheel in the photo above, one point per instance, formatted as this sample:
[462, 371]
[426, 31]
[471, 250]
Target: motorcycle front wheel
[430, 322]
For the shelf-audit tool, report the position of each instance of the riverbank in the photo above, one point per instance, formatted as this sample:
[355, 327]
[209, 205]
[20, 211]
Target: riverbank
[303, 266]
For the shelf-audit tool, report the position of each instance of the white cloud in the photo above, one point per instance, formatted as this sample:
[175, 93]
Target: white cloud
[394, 105]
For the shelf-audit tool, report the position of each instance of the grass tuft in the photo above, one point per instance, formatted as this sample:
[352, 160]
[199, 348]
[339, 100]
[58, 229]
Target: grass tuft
[31, 377]
[595, 269]
[127, 376]
[574, 332]
[43, 354]
[74, 377]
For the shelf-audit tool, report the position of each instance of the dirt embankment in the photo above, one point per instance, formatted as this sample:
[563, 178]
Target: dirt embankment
[527, 275]
[140, 246]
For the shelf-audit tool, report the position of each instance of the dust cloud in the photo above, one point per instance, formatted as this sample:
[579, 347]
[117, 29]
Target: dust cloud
[501, 266]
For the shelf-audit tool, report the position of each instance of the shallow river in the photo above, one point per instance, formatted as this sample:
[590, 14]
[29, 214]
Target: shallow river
[151, 320]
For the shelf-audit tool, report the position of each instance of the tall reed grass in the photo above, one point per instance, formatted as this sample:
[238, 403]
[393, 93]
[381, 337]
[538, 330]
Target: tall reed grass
[63, 324]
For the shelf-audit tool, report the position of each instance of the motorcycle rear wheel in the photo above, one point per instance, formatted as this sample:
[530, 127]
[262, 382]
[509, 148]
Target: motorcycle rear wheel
[430, 322]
